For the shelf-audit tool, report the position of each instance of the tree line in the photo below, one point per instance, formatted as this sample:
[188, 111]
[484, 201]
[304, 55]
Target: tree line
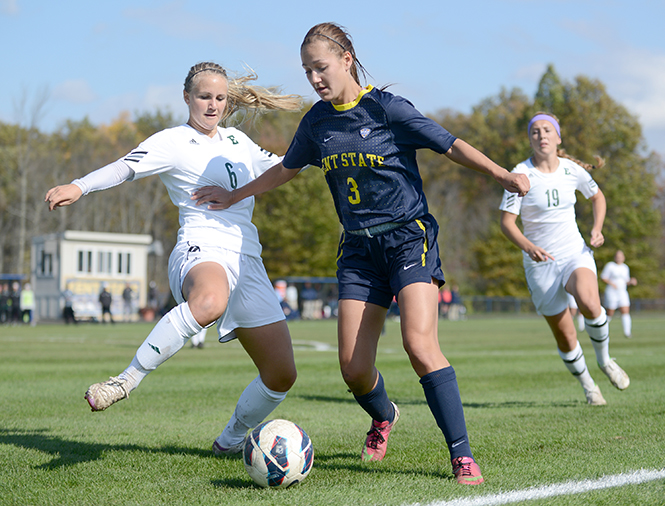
[297, 223]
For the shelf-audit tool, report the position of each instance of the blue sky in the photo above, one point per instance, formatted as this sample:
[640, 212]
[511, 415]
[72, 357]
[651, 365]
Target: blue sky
[97, 59]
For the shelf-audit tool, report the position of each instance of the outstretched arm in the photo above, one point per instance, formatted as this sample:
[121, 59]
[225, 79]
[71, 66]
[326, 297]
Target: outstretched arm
[219, 198]
[512, 231]
[463, 153]
[108, 176]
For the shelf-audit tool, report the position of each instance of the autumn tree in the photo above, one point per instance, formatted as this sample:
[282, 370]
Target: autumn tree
[297, 223]
[592, 123]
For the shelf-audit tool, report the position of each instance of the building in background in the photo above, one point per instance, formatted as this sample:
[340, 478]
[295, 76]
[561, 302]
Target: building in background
[82, 262]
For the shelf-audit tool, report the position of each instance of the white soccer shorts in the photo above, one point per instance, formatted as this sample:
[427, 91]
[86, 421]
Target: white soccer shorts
[546, 281]
[616, 298]
[252, 300]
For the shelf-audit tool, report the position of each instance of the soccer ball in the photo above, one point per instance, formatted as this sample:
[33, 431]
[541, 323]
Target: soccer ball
[278, 454]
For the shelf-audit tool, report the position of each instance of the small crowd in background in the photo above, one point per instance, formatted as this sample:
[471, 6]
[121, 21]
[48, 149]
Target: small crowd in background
[305, 300]
[312, 301]
[451, 306]
[17, 304]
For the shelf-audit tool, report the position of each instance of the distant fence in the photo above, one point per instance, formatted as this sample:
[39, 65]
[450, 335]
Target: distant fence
[481, 304]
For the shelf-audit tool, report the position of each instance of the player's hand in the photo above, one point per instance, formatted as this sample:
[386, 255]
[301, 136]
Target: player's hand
[63, 195]
[538, 254]
[597, 238]
[215, 196]
[516, 183]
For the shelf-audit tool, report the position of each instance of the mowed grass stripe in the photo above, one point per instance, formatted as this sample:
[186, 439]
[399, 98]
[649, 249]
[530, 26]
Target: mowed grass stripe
[528, 421]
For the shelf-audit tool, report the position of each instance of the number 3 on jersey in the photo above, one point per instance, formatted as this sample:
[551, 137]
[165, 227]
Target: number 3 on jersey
[354, 198]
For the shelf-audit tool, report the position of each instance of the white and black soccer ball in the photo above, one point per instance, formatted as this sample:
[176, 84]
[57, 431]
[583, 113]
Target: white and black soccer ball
[278, 454]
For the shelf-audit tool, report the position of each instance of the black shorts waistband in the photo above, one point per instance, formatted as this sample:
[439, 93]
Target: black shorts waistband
[376, 229]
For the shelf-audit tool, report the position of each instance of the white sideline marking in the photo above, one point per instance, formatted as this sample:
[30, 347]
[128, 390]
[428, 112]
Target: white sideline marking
[568, 488]
[313, 345]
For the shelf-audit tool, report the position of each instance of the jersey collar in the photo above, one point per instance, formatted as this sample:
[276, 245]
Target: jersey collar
[351, 105]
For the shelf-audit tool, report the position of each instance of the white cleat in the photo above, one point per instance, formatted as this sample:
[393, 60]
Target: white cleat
[617, 376]
[102, 395]
[594, 397]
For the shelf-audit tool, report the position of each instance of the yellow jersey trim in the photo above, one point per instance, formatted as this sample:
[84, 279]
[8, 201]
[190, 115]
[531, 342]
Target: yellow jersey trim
[351, 105]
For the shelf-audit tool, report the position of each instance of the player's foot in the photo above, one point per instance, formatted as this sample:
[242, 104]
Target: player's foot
[102, 395]
[594, 397]
[466, 471]
[376, 443]
[220, 450]
[617, 376]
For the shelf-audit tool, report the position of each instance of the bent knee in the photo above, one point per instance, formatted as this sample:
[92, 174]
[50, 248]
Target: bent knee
[207, 308]
[359, 380]
[282, 381]
[590, 310]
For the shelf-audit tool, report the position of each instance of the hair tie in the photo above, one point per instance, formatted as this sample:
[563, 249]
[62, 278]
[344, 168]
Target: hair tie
[545, 117]
[330, 38]
[212, 69]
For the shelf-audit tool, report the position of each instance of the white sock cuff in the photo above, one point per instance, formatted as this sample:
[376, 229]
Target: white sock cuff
[183, 320]
[571, 355]
[268, 394]
[598, 321]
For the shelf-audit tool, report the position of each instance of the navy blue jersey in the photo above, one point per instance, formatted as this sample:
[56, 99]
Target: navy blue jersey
[367, 151]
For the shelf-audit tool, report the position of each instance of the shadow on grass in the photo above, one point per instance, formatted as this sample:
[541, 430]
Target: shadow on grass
[347, 461]
[478, 405]
[351, 400]
[524, 404]
[350, 461]
[67, 452]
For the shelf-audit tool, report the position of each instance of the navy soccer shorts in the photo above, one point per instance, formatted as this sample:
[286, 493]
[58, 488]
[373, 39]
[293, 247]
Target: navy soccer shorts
[374, 269]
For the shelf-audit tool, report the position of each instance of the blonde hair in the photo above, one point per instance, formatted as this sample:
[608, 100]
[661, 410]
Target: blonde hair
[560, 152]
[339, 41]
[244, 97]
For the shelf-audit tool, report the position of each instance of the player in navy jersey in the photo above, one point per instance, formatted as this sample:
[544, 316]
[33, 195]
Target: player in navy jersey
[557, 261]
[365, 142]
[215, 269]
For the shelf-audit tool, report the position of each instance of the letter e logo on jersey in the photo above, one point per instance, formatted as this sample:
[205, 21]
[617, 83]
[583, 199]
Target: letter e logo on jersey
[364, 132]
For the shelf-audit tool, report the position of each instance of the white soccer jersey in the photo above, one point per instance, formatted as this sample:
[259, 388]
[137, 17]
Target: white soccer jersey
[619, 274]
[185, 160]
[548, 210]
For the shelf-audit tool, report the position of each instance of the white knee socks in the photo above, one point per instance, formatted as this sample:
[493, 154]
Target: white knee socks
[599, 332]
[575, 363]
[254, 405]
[627, 324]
[580, 322]
[165, 340]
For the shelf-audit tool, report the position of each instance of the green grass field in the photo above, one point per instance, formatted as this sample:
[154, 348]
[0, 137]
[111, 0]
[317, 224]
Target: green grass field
[527, 418]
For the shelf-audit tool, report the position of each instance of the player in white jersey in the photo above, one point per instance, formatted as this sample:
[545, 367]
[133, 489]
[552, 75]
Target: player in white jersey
[215, 270]
[617, 276]
[557, 261]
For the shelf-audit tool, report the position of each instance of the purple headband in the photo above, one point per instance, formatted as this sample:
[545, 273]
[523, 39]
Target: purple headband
[546, 117]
